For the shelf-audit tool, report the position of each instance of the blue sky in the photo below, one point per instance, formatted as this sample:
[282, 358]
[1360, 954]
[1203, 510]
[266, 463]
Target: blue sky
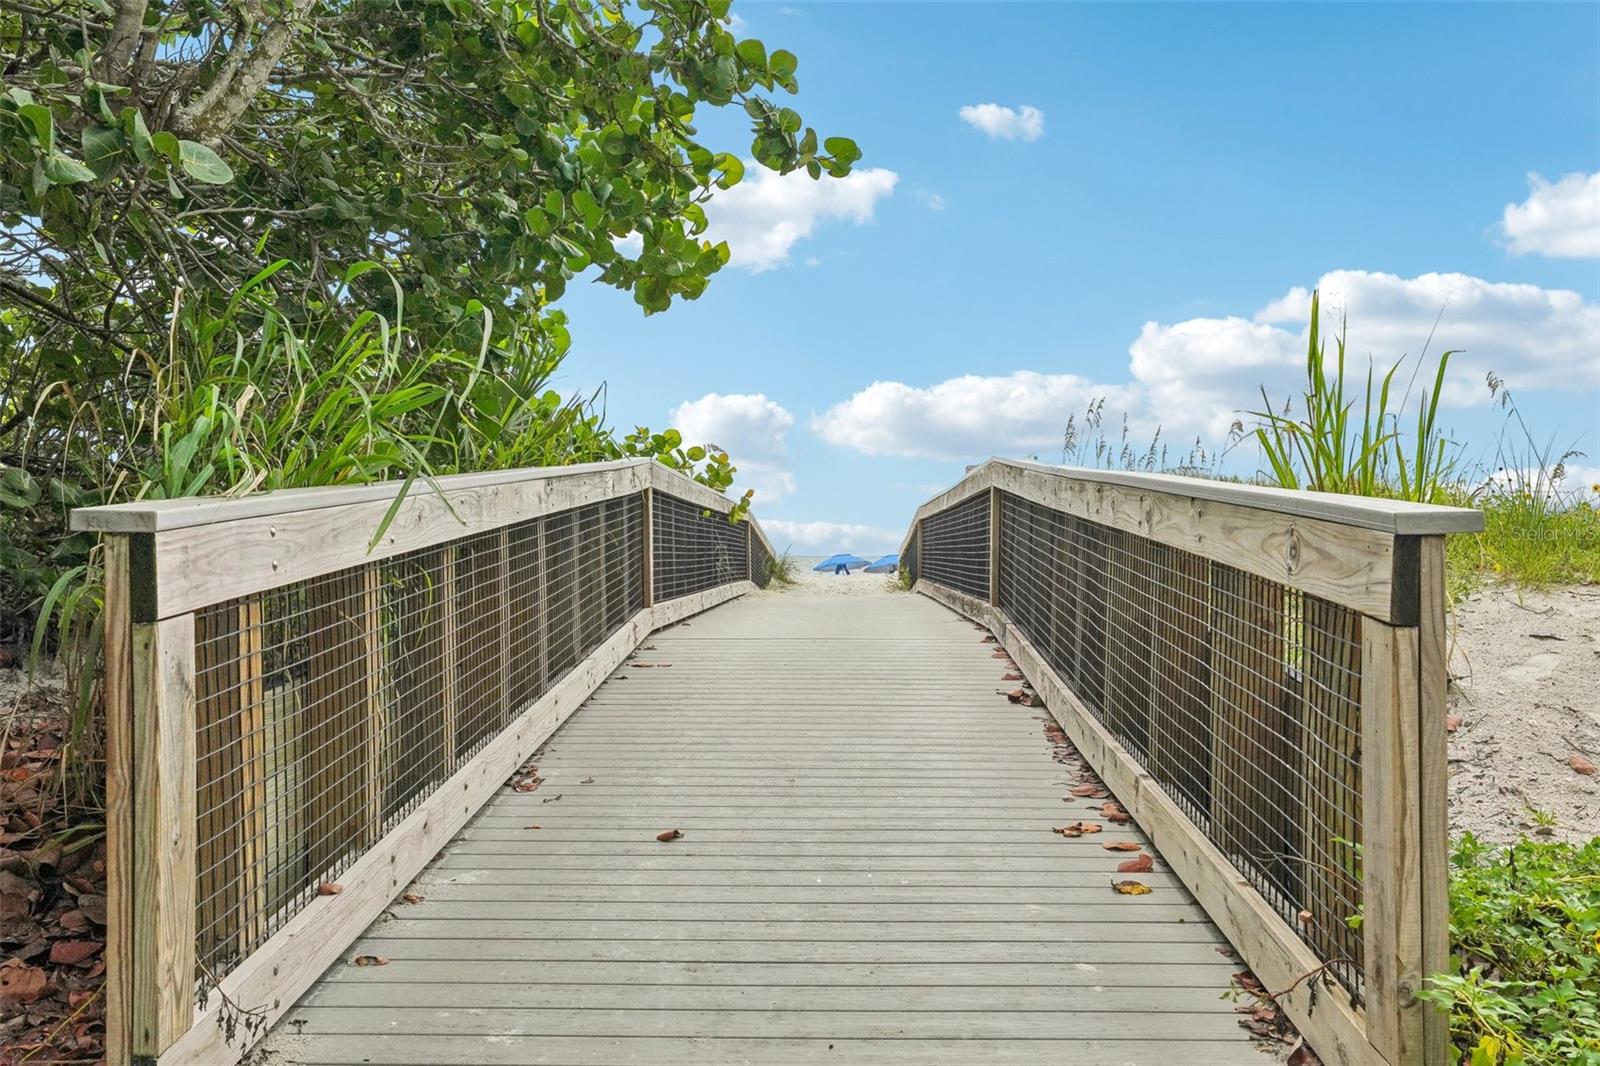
[1144, 233]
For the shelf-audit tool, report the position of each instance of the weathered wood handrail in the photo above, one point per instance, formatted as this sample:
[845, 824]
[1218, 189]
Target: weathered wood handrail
[1259, 677]
[292, 704]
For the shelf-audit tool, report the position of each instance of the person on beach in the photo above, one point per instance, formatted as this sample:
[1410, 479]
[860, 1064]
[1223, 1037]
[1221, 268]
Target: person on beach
[842, 568]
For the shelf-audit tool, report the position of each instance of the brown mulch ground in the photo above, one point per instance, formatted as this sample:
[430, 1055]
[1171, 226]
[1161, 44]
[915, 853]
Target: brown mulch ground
[52, 893]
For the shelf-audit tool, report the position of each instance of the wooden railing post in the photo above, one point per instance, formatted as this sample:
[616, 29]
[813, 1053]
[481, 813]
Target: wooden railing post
[1435, 782]
[649, 548]
[450, 643]
[994, 547]
[120, 790]
[1391, 844]
[1405, 920]
[164, 825]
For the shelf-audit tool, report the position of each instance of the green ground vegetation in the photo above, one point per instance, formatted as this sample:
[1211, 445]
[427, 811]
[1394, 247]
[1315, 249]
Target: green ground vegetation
[1524, 988]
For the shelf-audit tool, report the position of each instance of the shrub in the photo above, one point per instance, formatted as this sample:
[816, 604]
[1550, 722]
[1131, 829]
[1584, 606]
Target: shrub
[1524, 989]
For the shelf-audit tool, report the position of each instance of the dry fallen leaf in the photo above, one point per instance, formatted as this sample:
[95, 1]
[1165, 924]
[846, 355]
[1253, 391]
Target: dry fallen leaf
[1113, 812]
[1305, 917]
[1131, 888]
[1582, 765]
[1078, 829]
[670, 834]
[1011, 675]
[72, 952]
[1142, 865]
[21, 983]
[1452, 722]
[990, 639]
[1120, 845]
[371, 960]
[1087, 789]
[412, 897]
[1302, 1056]
[533, 827]
[329, 888]
[552, 799]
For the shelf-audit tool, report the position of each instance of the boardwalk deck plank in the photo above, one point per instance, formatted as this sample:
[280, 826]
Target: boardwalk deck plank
[867, 875]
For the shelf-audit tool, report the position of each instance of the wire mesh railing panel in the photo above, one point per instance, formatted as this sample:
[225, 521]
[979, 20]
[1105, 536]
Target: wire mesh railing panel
[694, 548]
[761, 562]
[955, 547]
[1239, 695]
[328, 709]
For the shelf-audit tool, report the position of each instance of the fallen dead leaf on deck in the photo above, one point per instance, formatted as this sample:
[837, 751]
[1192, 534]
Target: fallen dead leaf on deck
[412, 897]
[533, 827]
[1113, 812]
[371, 960]
[552, 799]
[1131, 888]
[1302, 1056]
[1142, 865]
[1121, 845]
[990, 639]
[1011, 676]
[1087, 790]
[1078, 829]
[1000, 653]
[670, 834]
[1582, 765]
[1452, 722]
[329, 888]
[641, 666]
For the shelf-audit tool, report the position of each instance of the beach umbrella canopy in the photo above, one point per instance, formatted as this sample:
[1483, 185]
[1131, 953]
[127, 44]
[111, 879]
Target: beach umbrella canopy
[886, 565]
[835, 561]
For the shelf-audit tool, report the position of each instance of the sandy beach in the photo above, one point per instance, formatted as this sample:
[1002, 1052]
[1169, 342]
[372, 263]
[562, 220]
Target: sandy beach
[856, 583]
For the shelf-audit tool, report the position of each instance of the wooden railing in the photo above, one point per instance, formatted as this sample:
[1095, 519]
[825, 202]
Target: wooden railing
[300, 713]
[1259, 677]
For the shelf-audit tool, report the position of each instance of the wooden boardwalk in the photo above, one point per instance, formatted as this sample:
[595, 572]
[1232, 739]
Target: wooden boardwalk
[867, 874]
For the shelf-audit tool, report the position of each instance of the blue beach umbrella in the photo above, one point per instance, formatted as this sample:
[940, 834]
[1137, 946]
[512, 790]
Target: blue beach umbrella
[886, 565]
[833, 562]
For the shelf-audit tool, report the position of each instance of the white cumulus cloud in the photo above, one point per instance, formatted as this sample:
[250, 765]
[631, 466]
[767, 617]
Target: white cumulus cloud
[972, 415]
[764, 216]
[1199, 375]
[752, 429]
[1558, 219]
[826, 538]
[1025, 123]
